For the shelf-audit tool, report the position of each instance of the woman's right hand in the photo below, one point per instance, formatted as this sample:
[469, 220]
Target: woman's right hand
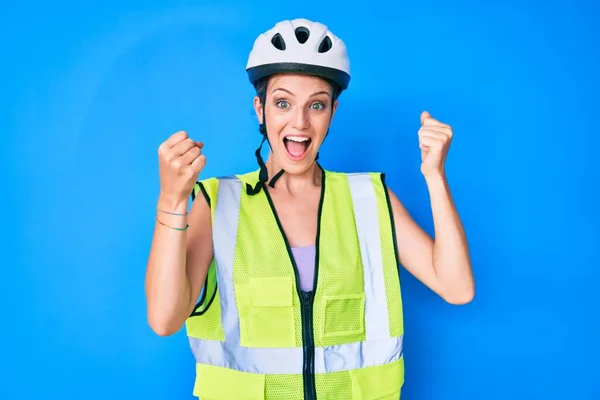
[180, 161]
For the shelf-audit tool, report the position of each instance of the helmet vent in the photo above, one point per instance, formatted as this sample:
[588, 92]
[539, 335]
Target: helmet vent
[278, 42]
[302, 34]
[325, 45]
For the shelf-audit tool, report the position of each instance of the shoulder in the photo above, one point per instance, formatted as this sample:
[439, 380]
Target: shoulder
[335, 174]
[360, 179]
[209, 187]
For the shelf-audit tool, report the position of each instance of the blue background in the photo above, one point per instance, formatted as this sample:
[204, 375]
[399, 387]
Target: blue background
[89, 91]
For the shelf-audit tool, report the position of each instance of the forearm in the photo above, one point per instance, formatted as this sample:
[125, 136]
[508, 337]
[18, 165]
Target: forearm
[451, 259]
[168, 289]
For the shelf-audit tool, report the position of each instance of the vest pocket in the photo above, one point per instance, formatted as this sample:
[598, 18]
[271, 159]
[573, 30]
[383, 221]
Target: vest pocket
[270, 313]
[344, 316]
[218, 383]
[378, 383]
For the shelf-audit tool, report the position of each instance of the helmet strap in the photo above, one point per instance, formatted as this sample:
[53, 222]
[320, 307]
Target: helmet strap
[263, 175]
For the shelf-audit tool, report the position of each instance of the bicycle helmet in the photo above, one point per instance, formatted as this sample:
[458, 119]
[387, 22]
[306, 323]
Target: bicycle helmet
[299, 46]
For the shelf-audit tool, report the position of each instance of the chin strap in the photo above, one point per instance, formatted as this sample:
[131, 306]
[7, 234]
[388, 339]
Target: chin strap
[263, 176]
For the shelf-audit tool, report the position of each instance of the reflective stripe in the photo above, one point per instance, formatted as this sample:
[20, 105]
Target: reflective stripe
[289, 360]
[357, 355]
[378, 349]
[248, 359]
[367, 225]
[224, 238]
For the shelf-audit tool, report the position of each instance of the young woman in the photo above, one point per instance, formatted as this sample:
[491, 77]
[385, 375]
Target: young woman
[296, 266]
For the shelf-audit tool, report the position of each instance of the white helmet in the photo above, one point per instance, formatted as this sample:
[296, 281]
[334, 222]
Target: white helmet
[299, 46]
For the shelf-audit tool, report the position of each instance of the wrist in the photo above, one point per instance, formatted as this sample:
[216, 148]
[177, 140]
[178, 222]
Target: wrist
[172, 203]
[435, 178]
[438, 188]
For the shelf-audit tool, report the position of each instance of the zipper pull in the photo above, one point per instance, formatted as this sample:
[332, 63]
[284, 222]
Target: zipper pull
[306, 297]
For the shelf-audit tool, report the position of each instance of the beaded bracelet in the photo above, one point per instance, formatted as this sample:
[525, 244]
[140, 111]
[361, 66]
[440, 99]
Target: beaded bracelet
[173, 227]
[172, 213]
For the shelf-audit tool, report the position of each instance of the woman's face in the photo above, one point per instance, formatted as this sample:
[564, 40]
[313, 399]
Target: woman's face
[298, 112]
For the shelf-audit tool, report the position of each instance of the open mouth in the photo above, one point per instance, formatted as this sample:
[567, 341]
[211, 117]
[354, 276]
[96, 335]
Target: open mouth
[297, 146]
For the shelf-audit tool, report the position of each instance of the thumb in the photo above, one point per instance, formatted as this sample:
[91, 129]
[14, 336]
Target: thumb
[424, 115]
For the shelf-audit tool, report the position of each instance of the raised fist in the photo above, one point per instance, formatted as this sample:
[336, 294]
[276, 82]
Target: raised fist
[180, 161]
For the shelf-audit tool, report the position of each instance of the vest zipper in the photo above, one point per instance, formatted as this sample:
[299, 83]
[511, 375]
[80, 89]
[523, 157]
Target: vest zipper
[309, 346]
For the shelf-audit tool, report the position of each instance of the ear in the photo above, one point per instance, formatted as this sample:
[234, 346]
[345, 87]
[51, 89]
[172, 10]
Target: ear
[258, 109]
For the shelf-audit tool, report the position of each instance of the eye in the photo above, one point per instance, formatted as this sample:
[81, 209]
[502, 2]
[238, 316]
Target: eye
[318, 106]
[283, 104]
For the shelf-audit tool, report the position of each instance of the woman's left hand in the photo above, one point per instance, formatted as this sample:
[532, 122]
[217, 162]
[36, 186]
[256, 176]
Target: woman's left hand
[434, 141]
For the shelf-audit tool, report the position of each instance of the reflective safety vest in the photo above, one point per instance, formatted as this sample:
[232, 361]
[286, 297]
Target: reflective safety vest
[256, 336]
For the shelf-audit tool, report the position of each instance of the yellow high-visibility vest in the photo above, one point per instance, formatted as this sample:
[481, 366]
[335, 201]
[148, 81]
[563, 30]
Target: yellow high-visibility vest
[264, 338]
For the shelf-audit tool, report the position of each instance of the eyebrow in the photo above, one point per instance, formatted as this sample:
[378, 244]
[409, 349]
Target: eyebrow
[312, 95]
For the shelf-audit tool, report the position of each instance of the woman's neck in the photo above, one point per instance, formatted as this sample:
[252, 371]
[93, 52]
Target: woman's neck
[294, 183]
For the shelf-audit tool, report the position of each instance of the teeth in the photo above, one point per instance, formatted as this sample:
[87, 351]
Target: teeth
[297, 138]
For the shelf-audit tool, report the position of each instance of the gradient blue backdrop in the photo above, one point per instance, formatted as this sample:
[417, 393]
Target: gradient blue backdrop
[89, 91]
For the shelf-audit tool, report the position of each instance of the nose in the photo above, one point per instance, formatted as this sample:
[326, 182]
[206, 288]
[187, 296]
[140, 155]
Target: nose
[301, 119]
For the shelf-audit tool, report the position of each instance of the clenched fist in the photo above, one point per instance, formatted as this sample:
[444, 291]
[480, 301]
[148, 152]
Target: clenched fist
[434, 141]
[180, 161]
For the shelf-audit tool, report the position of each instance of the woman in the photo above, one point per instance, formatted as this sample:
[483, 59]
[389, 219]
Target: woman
[299, 264]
